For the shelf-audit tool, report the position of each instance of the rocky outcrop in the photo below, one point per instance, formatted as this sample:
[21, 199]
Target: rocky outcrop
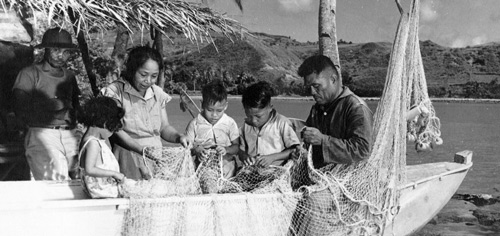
[466, 214]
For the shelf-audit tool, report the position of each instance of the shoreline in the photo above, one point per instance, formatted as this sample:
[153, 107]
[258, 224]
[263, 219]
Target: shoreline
[376, 99]
[466, 214]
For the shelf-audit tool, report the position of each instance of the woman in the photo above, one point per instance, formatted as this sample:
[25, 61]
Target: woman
[145, 122]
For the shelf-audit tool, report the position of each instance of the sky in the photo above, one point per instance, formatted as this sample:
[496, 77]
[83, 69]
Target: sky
[451, 23]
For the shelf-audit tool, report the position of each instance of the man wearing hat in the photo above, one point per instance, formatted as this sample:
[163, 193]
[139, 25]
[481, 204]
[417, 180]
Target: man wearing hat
[46, 97]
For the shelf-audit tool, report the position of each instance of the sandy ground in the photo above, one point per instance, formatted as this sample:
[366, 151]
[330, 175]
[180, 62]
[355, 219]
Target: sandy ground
[466, 215]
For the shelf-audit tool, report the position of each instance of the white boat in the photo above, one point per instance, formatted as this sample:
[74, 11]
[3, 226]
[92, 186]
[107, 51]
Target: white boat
[428, 189]
[63, 208]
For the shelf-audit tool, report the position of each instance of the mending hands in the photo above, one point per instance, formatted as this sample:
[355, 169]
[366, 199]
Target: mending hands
[246, 159]
[119, 177]
[221, 150]
[184, 141]
[264, 160]
[259, 160]
[312, 135]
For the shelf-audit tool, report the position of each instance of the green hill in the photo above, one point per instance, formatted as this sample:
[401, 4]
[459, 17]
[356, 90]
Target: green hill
[450, 72]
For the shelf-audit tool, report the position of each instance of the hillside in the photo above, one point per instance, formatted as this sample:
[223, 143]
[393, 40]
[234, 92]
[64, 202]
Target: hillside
[258, 57]
[450, 72]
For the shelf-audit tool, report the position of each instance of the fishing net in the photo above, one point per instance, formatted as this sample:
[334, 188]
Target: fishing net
[361, 198]
[423, 126]
[166, 205]
[173, 175]
[250, 179]
[297, 199]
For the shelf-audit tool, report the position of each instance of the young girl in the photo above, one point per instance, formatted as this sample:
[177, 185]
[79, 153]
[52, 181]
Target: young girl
[99, 168]
[267, 138]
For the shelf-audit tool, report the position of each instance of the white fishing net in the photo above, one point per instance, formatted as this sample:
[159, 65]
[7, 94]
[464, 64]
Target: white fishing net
[296, 199]
[173, 175]
[424, 128]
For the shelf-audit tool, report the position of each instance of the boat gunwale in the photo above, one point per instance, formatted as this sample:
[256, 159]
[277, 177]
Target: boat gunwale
[464, 167]
[123, 203]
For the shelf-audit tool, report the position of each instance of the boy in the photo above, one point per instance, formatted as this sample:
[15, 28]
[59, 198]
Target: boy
[212, 128]
[267, 138]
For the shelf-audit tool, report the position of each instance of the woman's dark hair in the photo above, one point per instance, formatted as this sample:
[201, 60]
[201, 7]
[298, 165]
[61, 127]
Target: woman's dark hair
[102, 111]
[213, 92]
[137, 57]
[257, 95]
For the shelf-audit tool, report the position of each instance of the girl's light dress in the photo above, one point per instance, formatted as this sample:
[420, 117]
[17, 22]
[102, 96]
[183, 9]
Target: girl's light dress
[101, 187]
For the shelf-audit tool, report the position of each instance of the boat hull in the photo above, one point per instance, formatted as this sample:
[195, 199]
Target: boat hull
[51, 208]
[422, 199]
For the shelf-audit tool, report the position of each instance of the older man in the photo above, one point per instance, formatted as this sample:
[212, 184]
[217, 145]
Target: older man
[339, 128]
[46, 96]
[339, 125]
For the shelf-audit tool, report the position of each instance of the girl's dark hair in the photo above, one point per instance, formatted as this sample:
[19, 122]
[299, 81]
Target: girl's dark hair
[257, 95]
[101, 111]
[137, 57]
[213, 92]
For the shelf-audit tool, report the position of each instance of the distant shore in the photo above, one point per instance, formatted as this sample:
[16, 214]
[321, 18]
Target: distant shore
[298, 98]
[458, 100]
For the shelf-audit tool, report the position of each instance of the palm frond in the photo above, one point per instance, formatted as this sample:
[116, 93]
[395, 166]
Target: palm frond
[194, 20]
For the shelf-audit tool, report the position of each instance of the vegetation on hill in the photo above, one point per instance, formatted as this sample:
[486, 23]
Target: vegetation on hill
[471, 72]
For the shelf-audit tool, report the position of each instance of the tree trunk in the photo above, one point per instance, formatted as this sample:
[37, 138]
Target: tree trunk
[84, 50]
[119, 50]
[121, 41]
[158, 45]
[327, 31]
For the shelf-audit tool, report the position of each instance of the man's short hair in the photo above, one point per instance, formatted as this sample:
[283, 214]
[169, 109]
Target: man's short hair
[213, 92]
[316, 64]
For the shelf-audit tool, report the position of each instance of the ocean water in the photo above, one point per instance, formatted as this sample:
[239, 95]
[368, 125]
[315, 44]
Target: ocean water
[464, 126]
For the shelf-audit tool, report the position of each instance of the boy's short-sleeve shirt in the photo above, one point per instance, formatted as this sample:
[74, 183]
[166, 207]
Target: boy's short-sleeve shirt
[274, 137]
[221, 133]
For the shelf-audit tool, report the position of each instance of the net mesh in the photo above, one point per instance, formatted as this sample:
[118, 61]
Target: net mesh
[296, 199]
[173, 175]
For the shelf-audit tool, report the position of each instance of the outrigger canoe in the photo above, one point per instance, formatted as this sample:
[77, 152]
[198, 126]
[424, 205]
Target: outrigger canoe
[63, 208]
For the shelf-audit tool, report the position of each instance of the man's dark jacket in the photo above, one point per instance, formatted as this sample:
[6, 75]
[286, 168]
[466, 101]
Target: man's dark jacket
[347, 125]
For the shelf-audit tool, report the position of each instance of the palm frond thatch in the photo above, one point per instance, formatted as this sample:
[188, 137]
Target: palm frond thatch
[195, 21]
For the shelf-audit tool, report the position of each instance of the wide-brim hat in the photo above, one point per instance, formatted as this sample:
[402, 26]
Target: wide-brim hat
[56, 38]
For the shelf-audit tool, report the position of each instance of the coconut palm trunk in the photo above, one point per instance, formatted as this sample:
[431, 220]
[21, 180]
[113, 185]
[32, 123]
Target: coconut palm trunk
[327, 30]
[120, 48]
[157, 38]
[84, 50]
[121, 41]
